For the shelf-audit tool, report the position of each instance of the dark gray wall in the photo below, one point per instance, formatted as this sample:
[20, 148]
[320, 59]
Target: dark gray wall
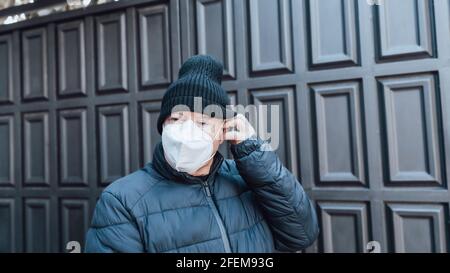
[364, 93]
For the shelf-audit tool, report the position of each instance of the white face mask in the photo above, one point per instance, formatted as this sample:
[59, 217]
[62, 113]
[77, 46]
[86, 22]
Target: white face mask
[186, 146]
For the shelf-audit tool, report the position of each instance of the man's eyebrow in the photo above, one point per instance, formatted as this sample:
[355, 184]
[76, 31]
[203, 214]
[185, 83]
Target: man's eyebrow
[205, 117]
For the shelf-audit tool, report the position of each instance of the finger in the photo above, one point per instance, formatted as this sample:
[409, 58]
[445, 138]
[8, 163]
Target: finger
[241, 116]
[231, 124]
[238, 121]
[233, 135]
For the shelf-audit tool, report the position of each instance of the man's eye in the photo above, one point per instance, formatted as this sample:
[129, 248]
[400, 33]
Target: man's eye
[201, 123]
[173, 119]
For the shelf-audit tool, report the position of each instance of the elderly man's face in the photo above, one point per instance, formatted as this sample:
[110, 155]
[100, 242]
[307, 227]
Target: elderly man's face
[211, 126]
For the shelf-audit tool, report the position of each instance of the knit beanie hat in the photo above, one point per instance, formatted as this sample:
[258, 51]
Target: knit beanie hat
[199, 77]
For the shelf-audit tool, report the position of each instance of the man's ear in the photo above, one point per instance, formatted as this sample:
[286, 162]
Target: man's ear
[220, 137]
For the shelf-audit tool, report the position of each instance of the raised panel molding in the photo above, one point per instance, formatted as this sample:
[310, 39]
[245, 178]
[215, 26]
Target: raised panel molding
[8, 229]
[405, 29]
[338, 121]
[74, 221]
[111, 53]
[333, 31]
[73, 147]
[418, 227]
[6, 69]
[37, 225]
[154, 45]
[36, 149]
[270, 34]
[281, 98]
[34, 68]
[113, 132]
[71, 59]
[345, 226]
[410, 111]
[7, 155]
[150, 136]
[215, 32]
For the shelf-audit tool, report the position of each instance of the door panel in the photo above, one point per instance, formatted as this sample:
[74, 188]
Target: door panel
[362, 92]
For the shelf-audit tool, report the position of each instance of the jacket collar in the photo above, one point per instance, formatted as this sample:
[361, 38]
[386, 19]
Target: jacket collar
[163, 168]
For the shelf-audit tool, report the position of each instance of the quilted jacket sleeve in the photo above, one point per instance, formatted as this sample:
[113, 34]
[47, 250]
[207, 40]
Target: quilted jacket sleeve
[113, 228]
[287, 208]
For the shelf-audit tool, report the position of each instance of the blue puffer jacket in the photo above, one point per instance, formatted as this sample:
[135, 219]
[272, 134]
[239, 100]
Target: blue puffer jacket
[249, 204]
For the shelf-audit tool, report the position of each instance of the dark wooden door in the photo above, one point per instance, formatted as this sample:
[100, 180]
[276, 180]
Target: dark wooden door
[363, 91]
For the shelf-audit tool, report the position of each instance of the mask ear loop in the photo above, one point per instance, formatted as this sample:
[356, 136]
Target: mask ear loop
[213, 138]
[221, 128]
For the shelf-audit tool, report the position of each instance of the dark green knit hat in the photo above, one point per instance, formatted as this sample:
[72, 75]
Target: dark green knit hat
[199, 76]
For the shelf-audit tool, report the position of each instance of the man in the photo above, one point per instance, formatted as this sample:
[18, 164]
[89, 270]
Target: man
[189, 199]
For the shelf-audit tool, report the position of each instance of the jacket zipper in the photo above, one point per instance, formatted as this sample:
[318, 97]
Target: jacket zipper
[223, 232]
